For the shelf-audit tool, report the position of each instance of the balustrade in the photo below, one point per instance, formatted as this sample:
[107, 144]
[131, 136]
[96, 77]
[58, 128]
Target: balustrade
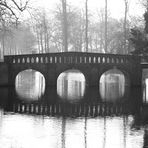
[70, 58]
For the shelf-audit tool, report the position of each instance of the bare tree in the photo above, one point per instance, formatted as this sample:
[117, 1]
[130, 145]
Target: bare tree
[65, 26]
[11, 8]
[9, 15]
[43, 29]
[76, 24]
[144, 3]
[86, 27]
[126, 3]
[101, 28]
[106, 3]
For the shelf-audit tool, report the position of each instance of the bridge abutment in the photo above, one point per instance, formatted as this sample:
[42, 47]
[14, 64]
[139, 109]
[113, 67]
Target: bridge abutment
[136, 77]
[4, 74]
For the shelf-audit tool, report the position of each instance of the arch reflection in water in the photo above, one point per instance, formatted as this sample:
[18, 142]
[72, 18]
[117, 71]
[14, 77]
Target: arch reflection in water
[112, 85]
[145, 91]
[71, 85]
[30, 85]
[145, 85]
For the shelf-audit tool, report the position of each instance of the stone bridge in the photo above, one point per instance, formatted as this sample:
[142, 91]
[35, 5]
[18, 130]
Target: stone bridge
[92, 65]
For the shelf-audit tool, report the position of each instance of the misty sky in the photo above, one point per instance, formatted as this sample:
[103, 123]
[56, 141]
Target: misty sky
[116, 7]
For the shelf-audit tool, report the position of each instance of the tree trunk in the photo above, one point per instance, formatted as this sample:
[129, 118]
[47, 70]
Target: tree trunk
[105, 48]
[124, 25]
[86, 27]
[41, 40]
[65, 26]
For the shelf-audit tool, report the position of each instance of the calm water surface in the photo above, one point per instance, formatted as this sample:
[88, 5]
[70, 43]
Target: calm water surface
[73, 115]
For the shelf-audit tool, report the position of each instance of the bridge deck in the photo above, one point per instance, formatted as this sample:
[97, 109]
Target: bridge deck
[70, 57]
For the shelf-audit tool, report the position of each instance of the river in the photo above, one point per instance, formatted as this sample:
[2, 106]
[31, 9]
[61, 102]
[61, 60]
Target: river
[112, 115]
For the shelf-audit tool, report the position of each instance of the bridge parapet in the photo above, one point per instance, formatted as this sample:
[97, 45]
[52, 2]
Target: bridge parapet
[71, 58]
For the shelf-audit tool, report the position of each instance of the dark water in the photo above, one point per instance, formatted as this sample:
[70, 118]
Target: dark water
[112, 115]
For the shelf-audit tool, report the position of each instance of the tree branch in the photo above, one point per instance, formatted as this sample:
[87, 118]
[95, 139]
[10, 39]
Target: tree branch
[21, 8]
[8, 8]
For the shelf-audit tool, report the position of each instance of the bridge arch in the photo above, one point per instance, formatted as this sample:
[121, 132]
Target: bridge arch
[125, 73]
[74, 70]
[30, 85]
[16, 73]
[30, 69]
[71, 85]
[114, 88]
[71, 70]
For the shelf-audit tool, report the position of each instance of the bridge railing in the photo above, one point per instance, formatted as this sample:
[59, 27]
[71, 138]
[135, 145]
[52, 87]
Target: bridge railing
[71, 58]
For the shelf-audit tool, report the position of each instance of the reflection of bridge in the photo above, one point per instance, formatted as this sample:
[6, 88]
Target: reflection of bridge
[74, 110]
[92, 65]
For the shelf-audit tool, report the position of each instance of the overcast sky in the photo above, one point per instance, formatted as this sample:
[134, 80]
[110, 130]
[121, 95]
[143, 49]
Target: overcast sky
[116, 7]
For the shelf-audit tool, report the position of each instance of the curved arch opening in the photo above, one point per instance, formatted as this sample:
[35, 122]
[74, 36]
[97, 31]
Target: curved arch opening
[112, 85]
[30, 85]
[145, 85]
[71, 85]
